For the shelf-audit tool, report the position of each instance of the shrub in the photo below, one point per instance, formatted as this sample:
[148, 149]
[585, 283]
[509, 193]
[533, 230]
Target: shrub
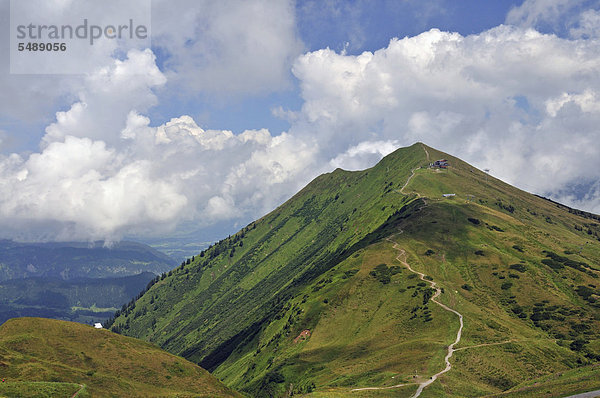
[518, 248]
[467, 287]
[517, 309]
[383, 274]
[555, 265]
[518, 267]
[427, 294]
[395, 269]
[474, 221]
[539, 316]
[577, 345]
[506, 285]
[479, 253]
[429, 252]
[584, 291]
[349, 273]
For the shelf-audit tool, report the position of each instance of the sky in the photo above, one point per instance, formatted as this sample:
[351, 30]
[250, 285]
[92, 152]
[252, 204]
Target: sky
[234, 106]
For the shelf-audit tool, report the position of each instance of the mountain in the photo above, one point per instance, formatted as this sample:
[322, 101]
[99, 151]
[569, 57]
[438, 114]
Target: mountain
[374, 280]
[189, 239]
[70, 260]
[49, 358]
[85, 300]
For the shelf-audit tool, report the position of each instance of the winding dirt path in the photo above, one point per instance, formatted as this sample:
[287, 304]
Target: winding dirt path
[485, 345]
[427, 153]
[381, 388]
[412, 174]
[401, 257]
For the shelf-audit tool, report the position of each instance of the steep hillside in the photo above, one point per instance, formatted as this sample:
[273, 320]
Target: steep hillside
[42, 357]
[70, 260]
[81, 300]
[323, 295]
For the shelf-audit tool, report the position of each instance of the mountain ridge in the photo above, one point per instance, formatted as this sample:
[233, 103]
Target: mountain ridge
[509, 261]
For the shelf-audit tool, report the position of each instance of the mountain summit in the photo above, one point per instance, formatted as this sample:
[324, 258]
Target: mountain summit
[419, 275]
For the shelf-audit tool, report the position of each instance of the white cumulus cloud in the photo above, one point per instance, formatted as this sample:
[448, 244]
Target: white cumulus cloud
[104, 171]
[227, 47]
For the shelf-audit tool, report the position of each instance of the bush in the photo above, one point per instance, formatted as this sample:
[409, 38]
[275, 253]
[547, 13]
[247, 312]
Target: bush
[479, 253]
[518, 248]
[474, 221]
[427, 294]
[555, 265]
[506, 285]
[395, 269]
[518, 267]
[539, 316]
[584, 291]
[517, 309]
[383, 274]
[429, 252]
[577, 345]
[275, 377]
[467, 287]
[350, 273]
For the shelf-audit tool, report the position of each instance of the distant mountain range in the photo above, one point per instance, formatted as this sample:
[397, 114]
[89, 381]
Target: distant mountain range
[85, 300]
[71, 260]
[392, 281]
[81, 282]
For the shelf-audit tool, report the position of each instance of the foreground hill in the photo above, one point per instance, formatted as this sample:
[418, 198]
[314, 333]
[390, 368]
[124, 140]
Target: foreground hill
[42, 357]
[360, 283]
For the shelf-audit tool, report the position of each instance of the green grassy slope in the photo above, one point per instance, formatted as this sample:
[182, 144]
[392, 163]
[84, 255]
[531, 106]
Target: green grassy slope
[43, 357]
[240, 283]
[522, 270]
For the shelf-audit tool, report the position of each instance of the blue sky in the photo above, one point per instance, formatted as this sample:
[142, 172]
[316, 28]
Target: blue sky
[353, 26]
[369, 25]
[238, 104]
